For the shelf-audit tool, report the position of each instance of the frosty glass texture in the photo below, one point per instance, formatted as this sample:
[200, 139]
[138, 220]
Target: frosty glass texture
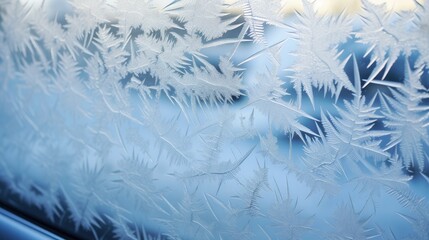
[205, 119]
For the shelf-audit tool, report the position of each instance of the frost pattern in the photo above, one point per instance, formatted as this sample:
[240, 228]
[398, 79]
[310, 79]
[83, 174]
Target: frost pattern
[197, 119]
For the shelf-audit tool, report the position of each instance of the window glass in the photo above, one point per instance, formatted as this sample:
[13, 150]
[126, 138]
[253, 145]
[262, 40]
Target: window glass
[212, 119]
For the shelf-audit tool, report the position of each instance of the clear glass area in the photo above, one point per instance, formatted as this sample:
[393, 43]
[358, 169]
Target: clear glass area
[212, 119]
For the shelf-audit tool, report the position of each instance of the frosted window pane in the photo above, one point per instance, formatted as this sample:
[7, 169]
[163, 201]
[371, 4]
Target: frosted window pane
[198, 119]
